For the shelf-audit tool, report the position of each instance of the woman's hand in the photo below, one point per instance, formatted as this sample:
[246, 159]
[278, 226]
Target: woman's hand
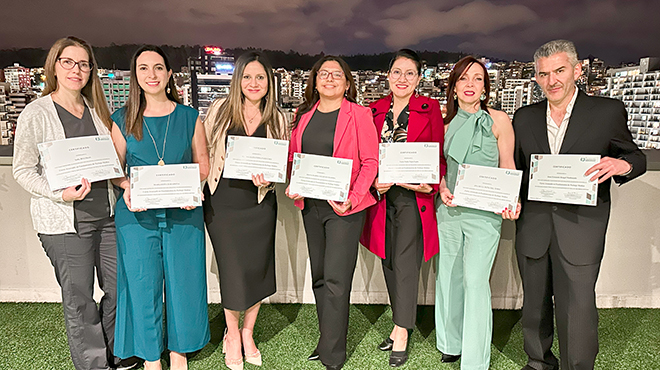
[78, 192]
[258, 180]
[509, 214]
[420, 188]
[340, 207]
[127, 200]
[446, 196]
[293, 196]
[382, 188]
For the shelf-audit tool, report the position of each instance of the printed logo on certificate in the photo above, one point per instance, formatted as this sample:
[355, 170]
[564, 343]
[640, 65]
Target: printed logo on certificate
[320, 177]
[560, 178]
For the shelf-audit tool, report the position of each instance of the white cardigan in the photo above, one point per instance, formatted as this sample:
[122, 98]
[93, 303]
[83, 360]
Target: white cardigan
[38, 123]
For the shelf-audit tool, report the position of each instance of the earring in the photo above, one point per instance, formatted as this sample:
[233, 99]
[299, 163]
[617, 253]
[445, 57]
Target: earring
[416, 94]
[455, 96]
[168, 90]
[483, 96]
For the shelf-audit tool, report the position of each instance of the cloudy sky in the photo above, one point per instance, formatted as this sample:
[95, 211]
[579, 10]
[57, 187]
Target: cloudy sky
[614, 30]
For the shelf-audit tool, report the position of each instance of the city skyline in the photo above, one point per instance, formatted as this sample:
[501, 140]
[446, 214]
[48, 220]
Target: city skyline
[614, 30]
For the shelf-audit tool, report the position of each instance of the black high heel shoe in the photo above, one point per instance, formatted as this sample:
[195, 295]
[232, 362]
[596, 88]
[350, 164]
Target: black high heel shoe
[450, 358]
[398, 358]
[386, 345]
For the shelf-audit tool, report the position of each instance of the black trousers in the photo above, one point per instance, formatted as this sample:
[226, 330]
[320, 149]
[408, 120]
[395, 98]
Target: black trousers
[76, 257]
[332, 242]
[573, 288]
[404, 251]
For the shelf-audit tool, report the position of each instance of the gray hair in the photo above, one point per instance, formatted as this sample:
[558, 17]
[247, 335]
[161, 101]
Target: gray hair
[557, 46]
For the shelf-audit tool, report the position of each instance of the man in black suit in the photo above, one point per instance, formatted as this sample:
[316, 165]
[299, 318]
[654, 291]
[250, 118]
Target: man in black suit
[560, 246]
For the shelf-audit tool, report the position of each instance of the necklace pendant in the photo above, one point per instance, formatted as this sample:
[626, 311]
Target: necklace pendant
[161, 163]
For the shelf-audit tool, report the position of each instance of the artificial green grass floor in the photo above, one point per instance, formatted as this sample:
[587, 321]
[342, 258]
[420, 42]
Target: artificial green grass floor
[32, 336]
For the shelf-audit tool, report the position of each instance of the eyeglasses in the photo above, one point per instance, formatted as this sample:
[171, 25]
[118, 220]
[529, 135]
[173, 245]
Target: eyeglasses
[68, 63]
[397, 73]
[336, 75]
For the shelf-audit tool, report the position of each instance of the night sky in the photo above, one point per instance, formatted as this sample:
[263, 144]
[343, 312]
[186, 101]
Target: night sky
[614, 30]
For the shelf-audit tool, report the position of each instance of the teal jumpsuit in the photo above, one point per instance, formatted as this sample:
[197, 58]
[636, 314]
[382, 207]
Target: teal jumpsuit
[468, 243]
[160, 250]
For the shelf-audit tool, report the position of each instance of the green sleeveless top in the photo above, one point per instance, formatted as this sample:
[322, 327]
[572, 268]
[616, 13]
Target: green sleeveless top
[469, 140]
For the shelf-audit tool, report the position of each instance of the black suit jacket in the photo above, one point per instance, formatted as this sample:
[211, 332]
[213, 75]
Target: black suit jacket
[597, 126]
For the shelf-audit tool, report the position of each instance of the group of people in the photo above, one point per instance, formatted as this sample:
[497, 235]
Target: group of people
[144, 257]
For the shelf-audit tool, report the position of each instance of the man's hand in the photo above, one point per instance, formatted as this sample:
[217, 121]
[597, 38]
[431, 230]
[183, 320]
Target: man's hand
[608, 167]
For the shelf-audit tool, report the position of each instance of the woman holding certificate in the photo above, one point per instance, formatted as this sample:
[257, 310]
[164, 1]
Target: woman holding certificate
[241, 215]
[163, 248]
[330, 123]
[75, 224]
[401, 228]
[469, 238]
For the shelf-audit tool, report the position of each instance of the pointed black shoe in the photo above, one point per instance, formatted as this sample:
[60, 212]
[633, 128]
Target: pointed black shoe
[450, 358]
[334, 367]
[314, 356]
[398, 358]
[386, 345]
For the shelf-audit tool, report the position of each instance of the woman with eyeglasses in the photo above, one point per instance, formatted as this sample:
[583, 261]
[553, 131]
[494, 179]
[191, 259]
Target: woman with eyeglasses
[76, 224]
[161, 252]
[330, 123]
[241, 215]
[401, 228]
[478, 135]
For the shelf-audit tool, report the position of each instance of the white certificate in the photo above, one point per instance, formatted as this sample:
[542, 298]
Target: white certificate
[170, 186]
[67, 161]
[487, 188]
[560, 179]
[409, 163]
[247, 156]
[320, 177]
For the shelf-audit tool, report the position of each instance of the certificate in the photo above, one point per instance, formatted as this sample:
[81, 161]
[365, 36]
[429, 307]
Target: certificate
[67, 161]
[487, 188]
[247, 156]
[320, 177]
[170, 186]
[409, 163]
[560, 179]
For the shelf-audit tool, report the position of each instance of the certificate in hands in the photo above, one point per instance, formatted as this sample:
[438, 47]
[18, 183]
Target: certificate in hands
[409, 163]
[320, 177]
[247, 156]
[170, 186]
[487, 188]
[67, 161]
[560, 179]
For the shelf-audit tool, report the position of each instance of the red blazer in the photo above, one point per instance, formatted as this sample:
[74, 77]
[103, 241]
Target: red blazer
[356, 139]
[424, 125]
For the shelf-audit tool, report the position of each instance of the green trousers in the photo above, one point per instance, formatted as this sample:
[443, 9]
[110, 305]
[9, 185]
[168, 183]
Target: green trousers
[463, 314]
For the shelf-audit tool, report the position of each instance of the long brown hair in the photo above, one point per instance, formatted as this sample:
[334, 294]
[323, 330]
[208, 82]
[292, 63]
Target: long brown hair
[459, 69]
[312, 95]
[92, 90]
[136, 102]
[230, 112]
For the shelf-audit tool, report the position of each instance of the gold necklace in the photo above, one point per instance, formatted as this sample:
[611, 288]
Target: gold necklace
[250, 119]
[161, 162]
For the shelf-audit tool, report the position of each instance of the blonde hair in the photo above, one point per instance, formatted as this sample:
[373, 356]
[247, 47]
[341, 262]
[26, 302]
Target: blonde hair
[92, 90]
[230, 112]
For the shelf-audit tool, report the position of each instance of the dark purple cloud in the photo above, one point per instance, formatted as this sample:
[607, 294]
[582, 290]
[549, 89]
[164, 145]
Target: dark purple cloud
[615, 30]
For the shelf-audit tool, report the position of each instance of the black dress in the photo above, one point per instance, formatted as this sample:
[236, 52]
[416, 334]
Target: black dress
[242, 232]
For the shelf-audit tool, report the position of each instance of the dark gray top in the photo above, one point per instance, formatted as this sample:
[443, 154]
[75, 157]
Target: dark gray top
[95, 206]
[319, 135]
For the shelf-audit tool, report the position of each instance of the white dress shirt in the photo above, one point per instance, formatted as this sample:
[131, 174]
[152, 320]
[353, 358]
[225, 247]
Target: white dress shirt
[556, 132]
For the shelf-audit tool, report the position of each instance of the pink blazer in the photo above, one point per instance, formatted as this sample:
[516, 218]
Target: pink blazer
[356, 139]
[424, 125]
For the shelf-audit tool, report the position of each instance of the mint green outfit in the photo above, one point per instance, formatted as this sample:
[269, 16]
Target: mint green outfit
[161, 253]
[468, 243]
